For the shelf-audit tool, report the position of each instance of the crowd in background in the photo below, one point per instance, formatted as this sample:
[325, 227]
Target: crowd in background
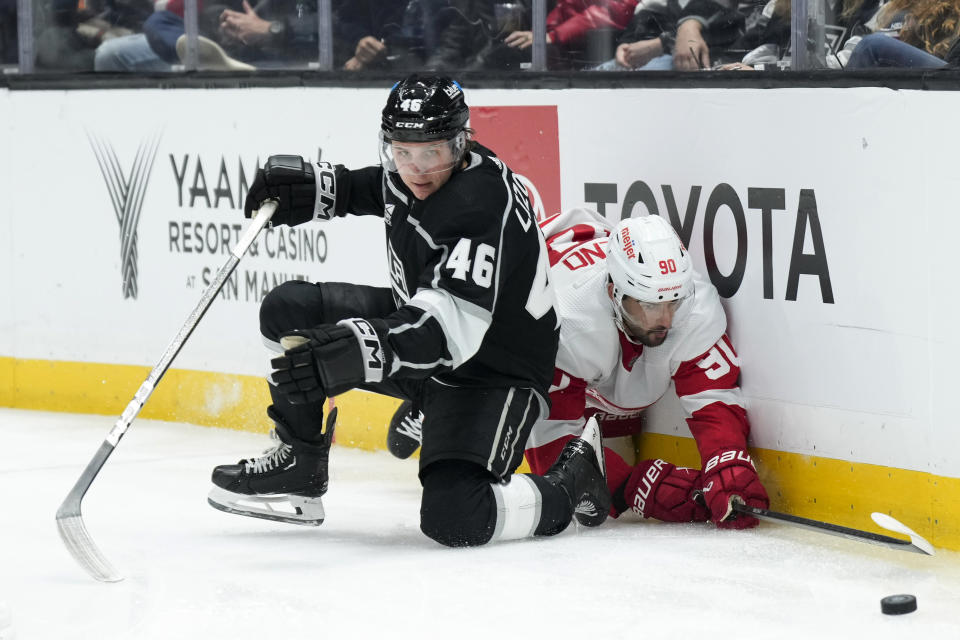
[472, 35]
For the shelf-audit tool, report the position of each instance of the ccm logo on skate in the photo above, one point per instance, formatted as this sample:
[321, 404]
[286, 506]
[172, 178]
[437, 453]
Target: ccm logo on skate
[646, 486]
[727, 456]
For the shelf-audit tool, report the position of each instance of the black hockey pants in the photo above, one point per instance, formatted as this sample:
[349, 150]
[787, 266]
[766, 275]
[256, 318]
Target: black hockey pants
[457, 505]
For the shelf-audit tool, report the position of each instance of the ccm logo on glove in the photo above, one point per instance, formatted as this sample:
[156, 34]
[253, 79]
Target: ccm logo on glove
[326, 191]
[727, 456]
[373, 357]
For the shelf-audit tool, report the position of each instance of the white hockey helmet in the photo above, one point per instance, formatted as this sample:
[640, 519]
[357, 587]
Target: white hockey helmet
[647, 261]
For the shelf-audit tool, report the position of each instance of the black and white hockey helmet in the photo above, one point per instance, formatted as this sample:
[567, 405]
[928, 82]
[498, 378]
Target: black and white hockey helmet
[424, 109]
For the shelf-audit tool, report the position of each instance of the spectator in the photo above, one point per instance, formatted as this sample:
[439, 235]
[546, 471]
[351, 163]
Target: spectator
[878, 50]
[509, 43]
[416, 34]
[928, 36]
[361, 31]
[768, 33]
[580, 33]
[275, 33]
[134, 52]
[9, 53]
[69, 31]
[664, 35]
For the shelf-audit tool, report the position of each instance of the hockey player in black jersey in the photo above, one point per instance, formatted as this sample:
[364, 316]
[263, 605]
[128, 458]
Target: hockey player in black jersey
[467, 332]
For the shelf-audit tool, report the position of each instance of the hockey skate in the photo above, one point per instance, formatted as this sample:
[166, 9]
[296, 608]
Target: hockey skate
[581, 472]
[405, 432]
[286, 483]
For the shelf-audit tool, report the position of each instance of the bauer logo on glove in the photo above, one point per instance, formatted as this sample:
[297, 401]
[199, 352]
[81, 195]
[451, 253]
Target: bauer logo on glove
[729, 475]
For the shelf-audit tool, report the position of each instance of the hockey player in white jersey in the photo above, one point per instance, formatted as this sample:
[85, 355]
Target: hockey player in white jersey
[635, 317]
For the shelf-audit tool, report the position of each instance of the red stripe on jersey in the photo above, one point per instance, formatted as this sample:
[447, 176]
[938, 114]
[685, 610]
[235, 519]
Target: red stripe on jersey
[567, 396]
[716, 368]
[629, 352]
[543, 457]
[578, 233]
[549, 219]
[571, 239]
[717, 425]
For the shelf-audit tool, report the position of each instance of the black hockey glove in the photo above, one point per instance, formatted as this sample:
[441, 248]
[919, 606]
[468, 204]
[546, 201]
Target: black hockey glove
[326, 361]
[291, 181]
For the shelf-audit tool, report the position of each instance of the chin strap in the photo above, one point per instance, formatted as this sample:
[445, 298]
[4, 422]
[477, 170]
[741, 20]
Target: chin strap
[617, 303]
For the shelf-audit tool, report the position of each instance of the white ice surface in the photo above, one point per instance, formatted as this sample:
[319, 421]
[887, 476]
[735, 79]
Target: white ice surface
[368, 572]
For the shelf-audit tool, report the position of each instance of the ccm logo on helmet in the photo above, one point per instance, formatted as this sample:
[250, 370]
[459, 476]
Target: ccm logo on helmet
[409, 125]
[727, 456]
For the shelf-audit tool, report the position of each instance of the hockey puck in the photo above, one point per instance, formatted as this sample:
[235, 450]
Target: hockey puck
[898, 604]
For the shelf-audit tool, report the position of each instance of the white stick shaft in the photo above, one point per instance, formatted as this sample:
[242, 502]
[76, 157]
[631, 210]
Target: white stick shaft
[146, 389]
[69, 519]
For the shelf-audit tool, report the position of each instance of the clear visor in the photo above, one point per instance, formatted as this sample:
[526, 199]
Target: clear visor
[635, 317]
[421, 158]
[640, 312]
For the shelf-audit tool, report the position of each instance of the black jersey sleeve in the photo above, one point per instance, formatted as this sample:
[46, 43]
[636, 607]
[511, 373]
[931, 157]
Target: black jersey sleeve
[470, 277]
[357, 191]
[444, 322]
[479, 255]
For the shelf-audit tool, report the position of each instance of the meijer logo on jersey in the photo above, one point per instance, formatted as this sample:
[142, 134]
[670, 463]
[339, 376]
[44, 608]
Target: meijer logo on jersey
[127, 190]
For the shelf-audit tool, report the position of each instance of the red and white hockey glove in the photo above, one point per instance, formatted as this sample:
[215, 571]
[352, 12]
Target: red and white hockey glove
[658, 489]
[727, 474]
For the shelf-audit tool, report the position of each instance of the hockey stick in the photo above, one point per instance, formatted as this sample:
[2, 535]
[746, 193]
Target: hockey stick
[915, 544]
[69, 519]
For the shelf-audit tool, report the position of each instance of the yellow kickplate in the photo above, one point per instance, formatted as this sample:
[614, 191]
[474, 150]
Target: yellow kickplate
[825, 489]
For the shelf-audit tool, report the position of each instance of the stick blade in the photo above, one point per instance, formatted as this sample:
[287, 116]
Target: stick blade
[887, 522]
[81, 546]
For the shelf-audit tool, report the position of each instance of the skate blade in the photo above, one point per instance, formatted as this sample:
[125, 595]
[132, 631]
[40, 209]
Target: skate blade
[291, 509]
[592, 512]
[593, 435]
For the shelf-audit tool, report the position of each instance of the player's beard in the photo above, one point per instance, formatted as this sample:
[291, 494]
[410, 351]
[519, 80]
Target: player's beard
[647, 337]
